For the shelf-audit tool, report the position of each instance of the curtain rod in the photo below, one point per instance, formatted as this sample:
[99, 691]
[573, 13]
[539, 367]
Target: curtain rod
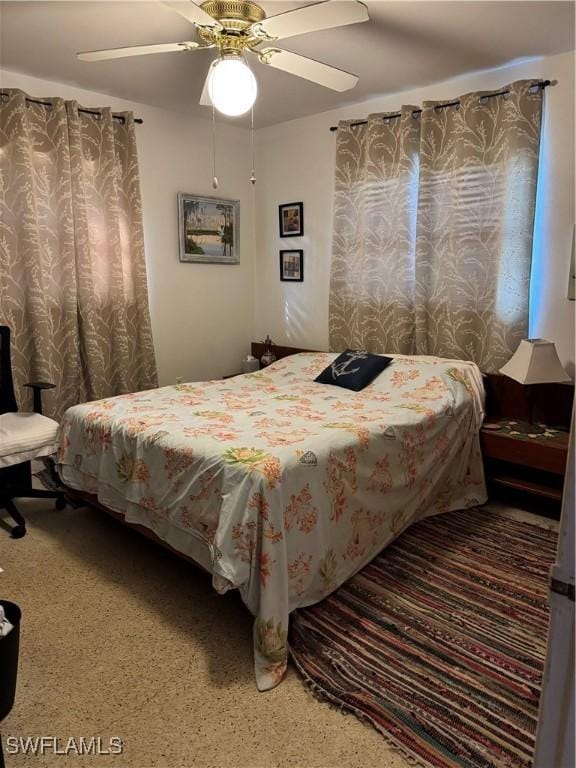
[80, 109]
[542, 84]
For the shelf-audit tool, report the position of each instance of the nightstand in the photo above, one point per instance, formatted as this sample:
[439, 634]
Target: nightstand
[517, 461]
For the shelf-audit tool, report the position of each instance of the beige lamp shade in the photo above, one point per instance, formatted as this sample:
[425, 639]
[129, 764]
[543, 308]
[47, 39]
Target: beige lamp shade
[535, 362]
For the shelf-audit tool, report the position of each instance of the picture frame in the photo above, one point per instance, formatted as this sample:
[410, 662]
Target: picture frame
[291, 219]
[208, 229]
[292, 266]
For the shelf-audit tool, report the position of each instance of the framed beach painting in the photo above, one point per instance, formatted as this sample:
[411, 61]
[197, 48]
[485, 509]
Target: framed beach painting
[209, 229]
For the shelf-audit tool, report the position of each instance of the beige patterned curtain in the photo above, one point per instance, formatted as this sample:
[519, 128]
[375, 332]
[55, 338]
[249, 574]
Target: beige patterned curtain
[372, 279]
[72, 271]
[478, 173]
[476, 188]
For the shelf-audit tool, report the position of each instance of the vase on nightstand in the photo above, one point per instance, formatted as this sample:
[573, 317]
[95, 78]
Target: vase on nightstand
[268, 356]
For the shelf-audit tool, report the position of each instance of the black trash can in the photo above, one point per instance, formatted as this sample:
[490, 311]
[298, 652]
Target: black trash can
[9, 658]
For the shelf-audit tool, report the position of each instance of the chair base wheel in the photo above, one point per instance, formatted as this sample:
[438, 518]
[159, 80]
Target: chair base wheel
[18, 532]
[60, 503]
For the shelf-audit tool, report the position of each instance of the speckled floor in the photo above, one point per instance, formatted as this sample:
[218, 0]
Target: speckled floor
[120, 638]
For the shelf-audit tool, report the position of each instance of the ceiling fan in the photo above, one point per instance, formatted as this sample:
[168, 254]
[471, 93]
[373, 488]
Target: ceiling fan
[236, 27]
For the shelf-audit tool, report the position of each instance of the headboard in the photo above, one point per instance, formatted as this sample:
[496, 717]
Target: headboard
[505, 398]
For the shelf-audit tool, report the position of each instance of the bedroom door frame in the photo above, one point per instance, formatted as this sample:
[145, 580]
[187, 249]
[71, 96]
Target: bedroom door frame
[555, 733]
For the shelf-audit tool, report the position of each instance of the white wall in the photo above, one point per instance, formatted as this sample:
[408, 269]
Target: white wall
[204, 317]
[201, 314]
[295, 161]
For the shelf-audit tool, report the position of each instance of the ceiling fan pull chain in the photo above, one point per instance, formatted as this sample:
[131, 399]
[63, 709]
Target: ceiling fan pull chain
[253, 173]
[215, 178]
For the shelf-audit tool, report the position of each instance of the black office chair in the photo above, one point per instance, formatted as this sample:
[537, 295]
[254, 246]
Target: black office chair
[23, 437]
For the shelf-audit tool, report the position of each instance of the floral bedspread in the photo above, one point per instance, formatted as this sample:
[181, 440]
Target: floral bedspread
[292, 485]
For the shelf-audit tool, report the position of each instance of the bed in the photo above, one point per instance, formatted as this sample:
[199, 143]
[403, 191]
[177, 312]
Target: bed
[280, 487]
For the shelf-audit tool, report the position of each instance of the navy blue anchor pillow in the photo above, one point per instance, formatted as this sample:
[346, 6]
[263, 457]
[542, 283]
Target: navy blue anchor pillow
[354, 369]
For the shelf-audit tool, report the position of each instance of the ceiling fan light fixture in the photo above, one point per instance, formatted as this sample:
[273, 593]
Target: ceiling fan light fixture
[232, 86]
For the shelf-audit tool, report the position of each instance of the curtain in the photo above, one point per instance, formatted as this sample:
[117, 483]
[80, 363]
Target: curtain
[372, 276]
[72, 270]
[469, 234]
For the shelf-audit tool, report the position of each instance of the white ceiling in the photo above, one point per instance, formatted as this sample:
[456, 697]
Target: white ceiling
[405, 44]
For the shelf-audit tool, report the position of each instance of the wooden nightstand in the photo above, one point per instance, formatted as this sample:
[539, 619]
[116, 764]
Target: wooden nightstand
[520, 466]
[534, 465]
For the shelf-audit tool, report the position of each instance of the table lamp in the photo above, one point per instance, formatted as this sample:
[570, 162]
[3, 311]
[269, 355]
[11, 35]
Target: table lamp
[535, 361]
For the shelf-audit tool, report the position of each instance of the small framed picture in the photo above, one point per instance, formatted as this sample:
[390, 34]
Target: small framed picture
[291, 216]
[292, 266]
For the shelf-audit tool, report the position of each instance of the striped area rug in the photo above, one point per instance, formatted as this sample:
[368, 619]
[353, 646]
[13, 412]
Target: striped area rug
[440, 641]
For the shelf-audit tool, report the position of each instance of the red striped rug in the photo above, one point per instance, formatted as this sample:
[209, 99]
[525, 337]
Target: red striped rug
[440, 641]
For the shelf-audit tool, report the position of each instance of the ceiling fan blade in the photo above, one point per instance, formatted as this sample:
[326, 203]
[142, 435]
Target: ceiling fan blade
[205, 100]
[138, 50]
[301, 66]
[311, 18]
[194, 14]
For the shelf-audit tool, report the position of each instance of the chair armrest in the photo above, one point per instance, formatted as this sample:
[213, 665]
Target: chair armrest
[37, 387]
